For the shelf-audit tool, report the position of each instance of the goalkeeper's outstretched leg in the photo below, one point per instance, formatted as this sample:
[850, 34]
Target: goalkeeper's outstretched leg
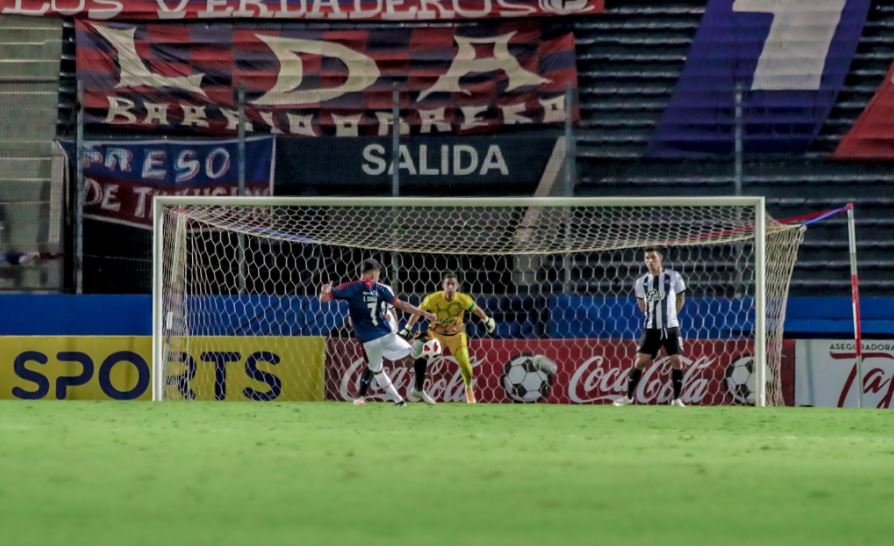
[465, 367]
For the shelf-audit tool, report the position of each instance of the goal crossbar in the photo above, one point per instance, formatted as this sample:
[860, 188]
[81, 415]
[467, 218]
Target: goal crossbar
[463, 202]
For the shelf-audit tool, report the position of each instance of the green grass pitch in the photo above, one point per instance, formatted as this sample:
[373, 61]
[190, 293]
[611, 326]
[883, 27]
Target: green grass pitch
[81, 473]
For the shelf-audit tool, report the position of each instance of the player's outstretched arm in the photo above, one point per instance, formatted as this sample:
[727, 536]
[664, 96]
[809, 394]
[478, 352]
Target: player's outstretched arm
[407, 307]
[326, 292]
[489, 323]
[407, 331]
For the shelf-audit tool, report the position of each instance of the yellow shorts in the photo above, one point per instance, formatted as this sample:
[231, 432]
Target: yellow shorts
[456, 344]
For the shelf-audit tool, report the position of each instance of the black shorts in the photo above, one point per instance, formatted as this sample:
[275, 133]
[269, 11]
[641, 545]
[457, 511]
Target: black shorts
[654, 339]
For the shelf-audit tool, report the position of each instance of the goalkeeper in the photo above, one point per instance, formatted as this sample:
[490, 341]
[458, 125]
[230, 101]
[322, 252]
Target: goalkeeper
[450, 306]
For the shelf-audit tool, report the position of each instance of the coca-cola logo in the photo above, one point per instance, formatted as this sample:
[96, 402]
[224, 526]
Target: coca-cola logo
[445, 381]
[595, 381]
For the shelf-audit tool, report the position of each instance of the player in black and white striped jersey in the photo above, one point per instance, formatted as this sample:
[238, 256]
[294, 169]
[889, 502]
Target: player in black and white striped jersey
[660, 294]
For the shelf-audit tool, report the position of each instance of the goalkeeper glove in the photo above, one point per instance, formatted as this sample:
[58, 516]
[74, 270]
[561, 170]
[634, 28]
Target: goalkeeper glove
[490, 325]
[405, 333]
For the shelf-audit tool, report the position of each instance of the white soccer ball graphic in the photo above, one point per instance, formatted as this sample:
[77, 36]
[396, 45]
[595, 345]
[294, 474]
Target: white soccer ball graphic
[740, 380]
[528, 378]
[431, 349]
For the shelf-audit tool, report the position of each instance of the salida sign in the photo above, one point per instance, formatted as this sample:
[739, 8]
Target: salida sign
[434, 160]
[588, 371]
[469, 78]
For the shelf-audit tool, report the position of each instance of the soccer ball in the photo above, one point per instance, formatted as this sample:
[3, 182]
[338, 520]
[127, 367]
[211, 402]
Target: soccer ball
[431, 349]
[740, 380]
[528, 378]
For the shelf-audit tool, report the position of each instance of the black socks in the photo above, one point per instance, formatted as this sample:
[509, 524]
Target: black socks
[365, 380]
[677, 381]
[419, 366]
[635, 375]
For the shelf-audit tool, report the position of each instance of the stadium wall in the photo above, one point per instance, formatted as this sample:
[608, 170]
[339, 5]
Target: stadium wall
[130, 315]
[99, 347]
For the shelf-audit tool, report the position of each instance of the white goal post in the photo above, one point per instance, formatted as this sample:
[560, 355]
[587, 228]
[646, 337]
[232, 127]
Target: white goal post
[557, 273]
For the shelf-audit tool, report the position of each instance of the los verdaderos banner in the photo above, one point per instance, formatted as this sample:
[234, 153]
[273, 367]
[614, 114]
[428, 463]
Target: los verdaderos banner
[338, 10]
[464, 78]
[586, 371]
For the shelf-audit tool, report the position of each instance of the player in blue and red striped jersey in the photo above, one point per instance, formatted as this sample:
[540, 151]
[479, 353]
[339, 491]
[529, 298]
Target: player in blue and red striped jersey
[367, 304]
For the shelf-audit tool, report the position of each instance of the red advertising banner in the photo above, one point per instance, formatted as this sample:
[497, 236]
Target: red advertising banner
[337, 10]
[467, 78]
[567, 371]
[872, 136]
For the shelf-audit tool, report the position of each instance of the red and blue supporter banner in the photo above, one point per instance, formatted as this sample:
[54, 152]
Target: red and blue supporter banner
[788, 57]
[121, 177]
[872, 137]
[467, 78]
[336, 10]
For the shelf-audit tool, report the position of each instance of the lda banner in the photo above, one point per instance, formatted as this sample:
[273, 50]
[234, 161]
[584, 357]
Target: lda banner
[465, 78]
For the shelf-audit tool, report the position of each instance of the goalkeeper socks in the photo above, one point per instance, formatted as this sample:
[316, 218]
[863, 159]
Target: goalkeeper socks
[419, 365]
[632, 381]
[365, 380]
[677, 380]
[385, 382]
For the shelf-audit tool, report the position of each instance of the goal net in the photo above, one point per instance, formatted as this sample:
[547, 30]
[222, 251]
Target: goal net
[236, 314]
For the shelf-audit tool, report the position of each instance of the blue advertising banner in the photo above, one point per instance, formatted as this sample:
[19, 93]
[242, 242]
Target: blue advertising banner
[122, 176]
[788, 57]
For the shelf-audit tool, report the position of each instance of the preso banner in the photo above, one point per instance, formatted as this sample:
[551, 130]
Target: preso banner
[576, 371]
[826, 373]
[339, 10]
[121, 177]
[464, 78]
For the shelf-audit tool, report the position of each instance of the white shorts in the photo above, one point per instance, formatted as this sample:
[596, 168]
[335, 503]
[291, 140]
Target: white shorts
[391, 346]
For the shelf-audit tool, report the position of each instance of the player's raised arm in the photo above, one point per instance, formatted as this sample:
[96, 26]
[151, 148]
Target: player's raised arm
[407, 330]
[326, 292]
[407, 307]
[489, 323]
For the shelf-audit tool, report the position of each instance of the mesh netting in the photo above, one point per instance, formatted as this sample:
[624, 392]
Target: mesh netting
[241, 319]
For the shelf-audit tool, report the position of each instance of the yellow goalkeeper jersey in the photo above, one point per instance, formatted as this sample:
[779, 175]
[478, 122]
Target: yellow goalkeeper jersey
[451, 313]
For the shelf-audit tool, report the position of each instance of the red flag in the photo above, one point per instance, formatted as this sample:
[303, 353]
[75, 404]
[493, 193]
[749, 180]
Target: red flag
[872, 137]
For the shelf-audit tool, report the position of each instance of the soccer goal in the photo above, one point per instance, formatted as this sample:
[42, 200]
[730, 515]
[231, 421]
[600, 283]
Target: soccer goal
[236, 314]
